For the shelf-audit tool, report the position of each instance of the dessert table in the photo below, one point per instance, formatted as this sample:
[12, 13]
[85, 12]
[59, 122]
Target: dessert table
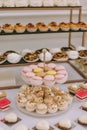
[73, 113]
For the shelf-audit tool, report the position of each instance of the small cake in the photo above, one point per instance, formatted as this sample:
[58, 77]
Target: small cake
[49, 80]
[36, 3]
[74, 3]
[52, 108]
[74, 26]
[41, 108]
[38, 70]
[31, 27]
[21, 3]
[60, 2]
[64, 124]
[19, 28]
[8, 28]
[30, 106]
[64, 26]
[11, 118]
[9, 3]
[43, 28]
[73, 54]
[53, 26]
[60, 78]
[48, 56]
[21, 127]
[13, 58]
[73, 88]
[48, 3]
[84, 106]
[51, 65]
[39, 24]
[42, 125]
[82, 120]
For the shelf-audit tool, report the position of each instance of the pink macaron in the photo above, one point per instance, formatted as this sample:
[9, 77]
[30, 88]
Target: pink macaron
[36, 80]
[63, 72]
[32, 66]
[52, 65]
[60, 67]
[30, 74]
[41, 65]
[26, 69]
[49, 80]
[60, 78]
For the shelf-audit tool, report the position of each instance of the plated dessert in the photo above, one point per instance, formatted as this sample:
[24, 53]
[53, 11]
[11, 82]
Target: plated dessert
[42, 100]
[60, 56]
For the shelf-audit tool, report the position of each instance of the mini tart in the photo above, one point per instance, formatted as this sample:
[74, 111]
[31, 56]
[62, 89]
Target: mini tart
[74, 26]
[82, 120]
[19, 28]
[43, 28]
[31, 28]
[53, 27]
[39, 24]
[64, 26]
[8, 28]
[83, 26]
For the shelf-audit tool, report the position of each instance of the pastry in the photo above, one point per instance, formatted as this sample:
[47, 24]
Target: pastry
[51, 72]
[64, 124]
[72, 54]
[65, 49]
[81, 94]
[83, 53]
[21, 101]
[11, 118]
[3, 94]
[8, 52]
[64, 26]
[13, 58]
[60, 56]
[31, 57]
[51, 65]
[36, 3]
[53, 27]
[19, 28]
[74, 3]
[73, 88]
[62, 105]
[43, 28]
[8, 3]
[31, 27]
[39, 24]
[36, 80]
[84, 106]
[74, 26]
[42, 125]
[83, 26]
[60, 2]
[38, 70]
[48, 3]
[8, 28]
[21, 3]
[49, 80]
[82, 120]
[60, 78]
[30, 106]
[41, 108]
[21, 127]
[52, 107]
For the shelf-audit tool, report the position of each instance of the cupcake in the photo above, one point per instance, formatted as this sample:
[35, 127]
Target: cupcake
[52, 108]
[21, 127]
[11, 118]
[19, 28]
[41, 108]
[48, 3]
[8, 28]
[21, 101]
[74, 26]
[36, 3]
[60, 2]
[13, 58]
[83, 26]
[42, 125]
[43, 28]
[49, 80]
[64, 124]
[84, 106]
[31, 28]
[30, 106]
[9, 3]
[82, 120]
[64, 26]
[21, 3]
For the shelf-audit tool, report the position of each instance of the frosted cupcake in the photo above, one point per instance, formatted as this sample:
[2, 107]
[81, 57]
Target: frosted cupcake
[49, 80]
[41, 108]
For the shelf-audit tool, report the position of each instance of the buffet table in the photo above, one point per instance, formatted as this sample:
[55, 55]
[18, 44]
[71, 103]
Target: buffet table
[73, 113]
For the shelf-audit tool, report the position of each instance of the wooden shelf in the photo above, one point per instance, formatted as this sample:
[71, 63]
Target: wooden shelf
[41, 8]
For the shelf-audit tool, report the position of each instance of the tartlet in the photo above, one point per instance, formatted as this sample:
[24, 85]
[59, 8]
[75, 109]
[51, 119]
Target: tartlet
[53, 26]
[31, 27]
[64, 26]
[74, 26]
[8, 28]
[43, 28]
[19, 28]
[83, 26]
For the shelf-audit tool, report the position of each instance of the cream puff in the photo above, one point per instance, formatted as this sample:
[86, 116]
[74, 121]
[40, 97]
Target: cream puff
[30, 106]
[52, 108]
[41, 108]
[31, 27]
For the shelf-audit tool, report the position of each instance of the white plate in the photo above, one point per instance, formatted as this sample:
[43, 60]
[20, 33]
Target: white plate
[42, 115]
